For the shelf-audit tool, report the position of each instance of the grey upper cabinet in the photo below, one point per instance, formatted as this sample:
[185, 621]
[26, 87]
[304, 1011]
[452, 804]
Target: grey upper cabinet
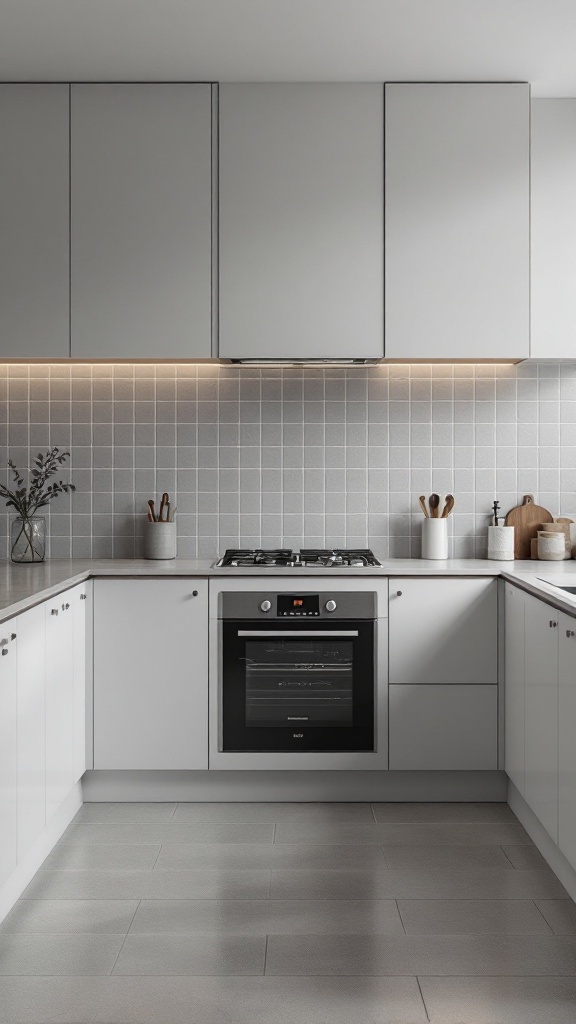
[553, 236]
[141, 208]
[34, 235]
[301, 221]
[457, 221]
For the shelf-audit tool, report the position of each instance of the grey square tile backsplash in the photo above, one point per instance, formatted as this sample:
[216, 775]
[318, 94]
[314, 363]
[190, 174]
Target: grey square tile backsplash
[258, 457]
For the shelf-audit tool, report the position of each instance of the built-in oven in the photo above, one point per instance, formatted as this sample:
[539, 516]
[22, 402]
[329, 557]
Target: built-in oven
[298, 671]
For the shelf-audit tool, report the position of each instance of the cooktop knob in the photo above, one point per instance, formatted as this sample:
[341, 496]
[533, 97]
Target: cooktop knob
[265, 606]
[330, 606]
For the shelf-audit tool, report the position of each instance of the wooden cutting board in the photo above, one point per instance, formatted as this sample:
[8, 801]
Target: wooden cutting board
[526, 519]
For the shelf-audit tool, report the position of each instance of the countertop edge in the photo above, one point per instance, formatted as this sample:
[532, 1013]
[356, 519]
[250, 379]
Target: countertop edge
[19, 593]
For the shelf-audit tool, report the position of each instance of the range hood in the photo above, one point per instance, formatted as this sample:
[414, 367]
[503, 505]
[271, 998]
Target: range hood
[303, 362]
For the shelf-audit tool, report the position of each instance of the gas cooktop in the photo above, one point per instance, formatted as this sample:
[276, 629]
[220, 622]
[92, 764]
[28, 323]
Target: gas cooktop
[285, 558]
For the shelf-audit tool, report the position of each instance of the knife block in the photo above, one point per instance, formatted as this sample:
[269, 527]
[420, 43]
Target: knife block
[160, 540]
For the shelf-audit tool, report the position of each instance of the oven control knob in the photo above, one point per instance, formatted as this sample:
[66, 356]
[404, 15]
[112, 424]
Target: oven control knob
[330, 606]
[265, 606]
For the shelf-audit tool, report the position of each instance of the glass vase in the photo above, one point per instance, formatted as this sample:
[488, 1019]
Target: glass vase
[28, 539]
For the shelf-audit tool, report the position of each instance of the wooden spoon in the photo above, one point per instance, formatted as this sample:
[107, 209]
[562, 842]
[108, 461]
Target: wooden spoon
[434, 501]
[423, 506]
[448, 506]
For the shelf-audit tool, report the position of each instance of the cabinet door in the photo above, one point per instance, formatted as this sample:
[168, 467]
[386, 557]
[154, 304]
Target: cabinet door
[301, 220]
[34, 214]
[151, 674]
[567, 737]
[443, 728]
[59, 702]
[541, 713]
[443, 631]
[514, 685]
[141, 221]
[78, 599]
[8, 753]
[457, 221]
[31, 630]
[553, 228]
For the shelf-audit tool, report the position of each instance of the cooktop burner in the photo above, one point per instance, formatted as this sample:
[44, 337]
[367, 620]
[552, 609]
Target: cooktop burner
[285, 558]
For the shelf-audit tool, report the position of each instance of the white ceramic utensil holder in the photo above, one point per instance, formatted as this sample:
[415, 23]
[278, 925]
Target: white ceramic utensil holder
[551, 546]
[435, 538]
[160, 540]
[501, 543]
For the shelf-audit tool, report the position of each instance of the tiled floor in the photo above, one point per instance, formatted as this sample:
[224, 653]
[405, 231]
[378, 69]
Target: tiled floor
[291, 914]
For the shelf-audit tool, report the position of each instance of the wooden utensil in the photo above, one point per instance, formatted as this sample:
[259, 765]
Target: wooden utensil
[152, 512]
[526, 518]
[423, 505]
[448, 506]
[434, 501]
[165, 500]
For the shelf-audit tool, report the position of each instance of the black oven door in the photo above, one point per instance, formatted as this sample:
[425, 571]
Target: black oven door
[288, 687]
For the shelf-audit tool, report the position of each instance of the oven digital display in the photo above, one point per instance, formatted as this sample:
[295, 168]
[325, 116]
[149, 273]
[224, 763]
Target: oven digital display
[298, 604]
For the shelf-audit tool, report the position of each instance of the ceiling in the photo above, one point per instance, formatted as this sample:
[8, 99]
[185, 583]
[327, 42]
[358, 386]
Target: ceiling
[280, 40]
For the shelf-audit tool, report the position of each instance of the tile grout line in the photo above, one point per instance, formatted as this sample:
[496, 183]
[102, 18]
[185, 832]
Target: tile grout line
[422, 998]
[265, 956]
[123, 942]
[543, 918]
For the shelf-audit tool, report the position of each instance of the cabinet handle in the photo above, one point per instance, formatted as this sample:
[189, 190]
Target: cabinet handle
[54, 611]
[12, 636]
[65, 607]
[553, 624]
[82, 597]
[398, 593]
[194, 593]
[569, 633]
[4, 651]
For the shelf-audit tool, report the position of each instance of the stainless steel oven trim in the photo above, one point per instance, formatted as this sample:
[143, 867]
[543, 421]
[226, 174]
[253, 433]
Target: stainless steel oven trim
[297, 632]
[361, 761]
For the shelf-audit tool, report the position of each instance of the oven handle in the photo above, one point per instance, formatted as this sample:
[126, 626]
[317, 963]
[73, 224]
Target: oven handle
[297, 632]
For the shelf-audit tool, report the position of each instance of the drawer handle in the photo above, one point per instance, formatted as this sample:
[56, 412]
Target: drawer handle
[569, 633]
[54, 611]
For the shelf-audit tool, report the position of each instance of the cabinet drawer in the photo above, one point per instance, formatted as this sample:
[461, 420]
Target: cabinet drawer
[443, 728]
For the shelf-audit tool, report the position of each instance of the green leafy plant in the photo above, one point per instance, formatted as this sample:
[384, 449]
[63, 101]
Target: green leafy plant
[37, 493]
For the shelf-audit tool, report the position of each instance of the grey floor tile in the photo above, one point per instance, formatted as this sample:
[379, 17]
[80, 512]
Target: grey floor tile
[296, 855]
[89, 916]
[472, 917]
[260, 1000]
[260, 917]
[66, 857]
[494, 955]
[135, 885]
[450, 834]
[397, 857]
[500, 1000]
[168, 832]
[223, 955]
[273, 812]
[443, 813]
[525, 858]
[50, 954]
[124, 813]
[416, 883]
[560, 915]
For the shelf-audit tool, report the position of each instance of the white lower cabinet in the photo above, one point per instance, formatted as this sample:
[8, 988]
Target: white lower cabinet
[31, 630]
[59, 701]
[79, 599]
[567, 737]
[514, 638]
[443, 728]
[541, 713]
[8, 753]
[151, 674]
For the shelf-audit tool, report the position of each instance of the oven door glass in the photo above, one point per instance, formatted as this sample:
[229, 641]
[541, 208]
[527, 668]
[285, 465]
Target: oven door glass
[304, 687]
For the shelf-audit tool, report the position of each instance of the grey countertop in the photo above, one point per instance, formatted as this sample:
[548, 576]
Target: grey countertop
[22, 586]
